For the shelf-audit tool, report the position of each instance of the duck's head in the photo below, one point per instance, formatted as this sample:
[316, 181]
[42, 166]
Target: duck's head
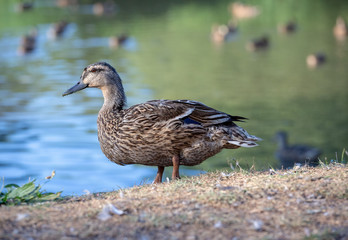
[98, 75]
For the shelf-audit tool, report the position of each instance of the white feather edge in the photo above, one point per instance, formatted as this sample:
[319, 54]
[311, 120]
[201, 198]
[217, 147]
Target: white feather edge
[185, 114]
[244, 143]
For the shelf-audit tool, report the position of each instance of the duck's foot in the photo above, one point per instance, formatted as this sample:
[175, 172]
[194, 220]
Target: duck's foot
[175, 174]
[159, 175]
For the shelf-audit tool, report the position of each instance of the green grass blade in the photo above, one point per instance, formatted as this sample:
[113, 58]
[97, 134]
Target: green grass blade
[11, 186]
[22, 191]
[342, 157]
[49, 196]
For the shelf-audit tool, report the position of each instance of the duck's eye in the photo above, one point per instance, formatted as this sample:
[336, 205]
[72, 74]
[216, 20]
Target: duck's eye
[93, 70]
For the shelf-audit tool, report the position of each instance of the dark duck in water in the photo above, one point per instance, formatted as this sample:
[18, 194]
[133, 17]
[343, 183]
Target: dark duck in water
[289, 155]
[158, 133]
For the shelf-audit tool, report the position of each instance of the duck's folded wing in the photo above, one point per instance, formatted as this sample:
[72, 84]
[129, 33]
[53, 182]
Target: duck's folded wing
[157, 111]
[208, 116]
[192, 112]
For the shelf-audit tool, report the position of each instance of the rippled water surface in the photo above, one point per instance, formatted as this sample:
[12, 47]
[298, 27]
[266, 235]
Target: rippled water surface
[169, 55]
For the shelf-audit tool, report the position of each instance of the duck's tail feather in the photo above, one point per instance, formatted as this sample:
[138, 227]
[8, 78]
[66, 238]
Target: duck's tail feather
[254, 138]
[241, 138]
[240, 143]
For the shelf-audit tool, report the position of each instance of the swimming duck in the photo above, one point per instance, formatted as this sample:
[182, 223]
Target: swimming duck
[316, 59]
[222, 33]
[116, 41]
[290, 155]
[66, 3]
[257, 44]
[27, 43]
[104, 8]
[24, 6]
[289, 27]
[240, 10]
[158, 133]
[340, 30]
[57, 29]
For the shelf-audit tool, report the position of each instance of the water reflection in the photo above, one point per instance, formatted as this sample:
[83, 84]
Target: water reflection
[169, 55]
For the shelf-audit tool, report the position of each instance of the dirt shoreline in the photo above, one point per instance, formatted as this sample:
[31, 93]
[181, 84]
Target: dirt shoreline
[306, 203]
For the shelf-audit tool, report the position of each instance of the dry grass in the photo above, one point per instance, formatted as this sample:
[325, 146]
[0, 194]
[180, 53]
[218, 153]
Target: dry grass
[307, 203]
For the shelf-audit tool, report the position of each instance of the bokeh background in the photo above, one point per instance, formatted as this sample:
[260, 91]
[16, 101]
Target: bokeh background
[168, 54]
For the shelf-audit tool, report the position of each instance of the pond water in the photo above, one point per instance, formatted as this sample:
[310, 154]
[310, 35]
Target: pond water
[169, 56]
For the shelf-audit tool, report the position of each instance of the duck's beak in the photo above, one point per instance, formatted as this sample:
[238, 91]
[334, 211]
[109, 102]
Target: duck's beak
[79, 86]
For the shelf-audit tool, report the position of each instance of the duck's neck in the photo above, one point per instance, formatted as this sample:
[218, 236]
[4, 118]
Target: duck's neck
[114, 98]
[282, 142]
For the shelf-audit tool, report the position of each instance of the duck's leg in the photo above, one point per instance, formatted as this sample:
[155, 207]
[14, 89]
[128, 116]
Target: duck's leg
[175, 174]
[159, 175]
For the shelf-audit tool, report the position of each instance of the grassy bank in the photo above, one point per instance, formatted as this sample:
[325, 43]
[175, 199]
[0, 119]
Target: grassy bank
[303, 203]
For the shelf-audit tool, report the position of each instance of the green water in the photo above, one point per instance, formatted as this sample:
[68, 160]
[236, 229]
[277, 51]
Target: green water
[170, 57]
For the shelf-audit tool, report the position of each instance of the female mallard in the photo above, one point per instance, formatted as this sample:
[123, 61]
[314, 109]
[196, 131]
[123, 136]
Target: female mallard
[57, 29]
[287, 28]
[28, 43]
[159, 132]
[341, 29]
[257, 44]
[223, 33]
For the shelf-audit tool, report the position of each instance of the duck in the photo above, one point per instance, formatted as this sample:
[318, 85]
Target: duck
[57, 29]
[24, 6]
[240, 10]
[340, 30]
[287, 28]
[158, 133]
[104, 8]
[66, 3]
[315, 59]
[289, 155]
[116, 41]
[257, 44]
[27, 43]
[222, 33]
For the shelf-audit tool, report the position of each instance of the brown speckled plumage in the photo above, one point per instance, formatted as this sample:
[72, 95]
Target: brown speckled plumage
[160, 132]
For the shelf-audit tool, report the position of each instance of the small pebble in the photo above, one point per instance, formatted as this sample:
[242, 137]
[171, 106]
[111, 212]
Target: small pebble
[257, 224]
[218, 224]
[21, 216]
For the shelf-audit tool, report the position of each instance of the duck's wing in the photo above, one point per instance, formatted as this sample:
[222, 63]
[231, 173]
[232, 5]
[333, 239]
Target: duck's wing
[207, 116]
[190, 112]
